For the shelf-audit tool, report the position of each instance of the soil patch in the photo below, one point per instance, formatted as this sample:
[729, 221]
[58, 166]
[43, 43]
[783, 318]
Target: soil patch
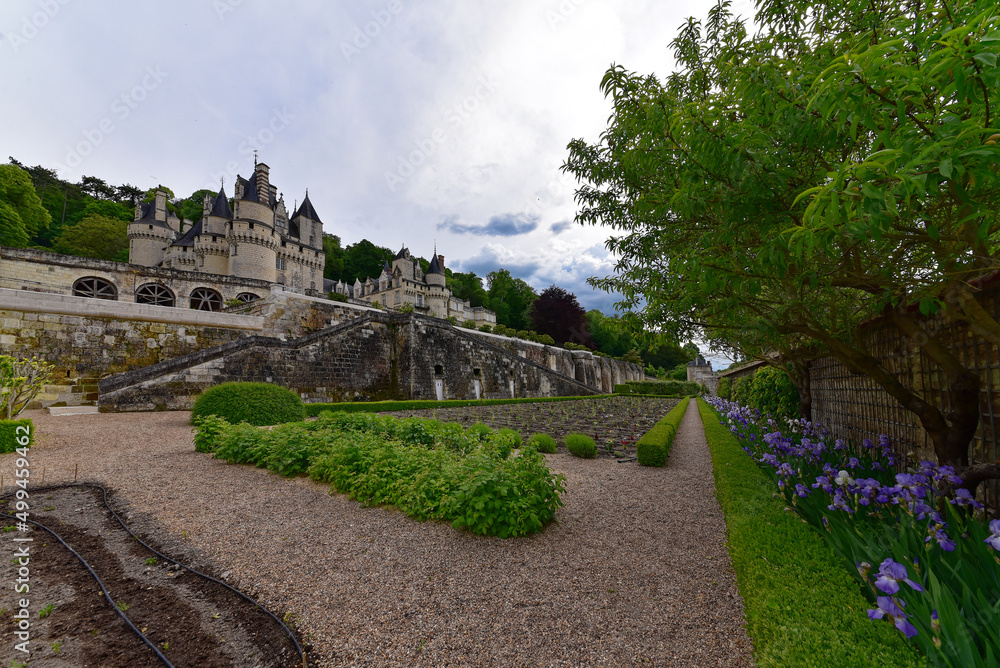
[192, 621]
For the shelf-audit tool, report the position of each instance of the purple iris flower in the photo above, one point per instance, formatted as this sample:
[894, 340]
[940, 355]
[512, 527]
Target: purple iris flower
[887, 607]
[890, 574]
[946, 543]
[840, 502]
[839, 445]
[867, 444]
[964, 498]
[802, 491]
[853, 463]
[823, 482]
[994, 539]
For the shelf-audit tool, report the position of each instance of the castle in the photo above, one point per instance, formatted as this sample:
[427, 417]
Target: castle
[255, 239]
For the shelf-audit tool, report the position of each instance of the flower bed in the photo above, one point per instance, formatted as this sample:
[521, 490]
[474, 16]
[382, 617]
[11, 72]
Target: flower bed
[918, 528]
[427, 469]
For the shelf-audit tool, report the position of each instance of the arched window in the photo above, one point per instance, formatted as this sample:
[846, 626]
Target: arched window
[205, 299]
[247, 297]
[97, 288]
[154, 293]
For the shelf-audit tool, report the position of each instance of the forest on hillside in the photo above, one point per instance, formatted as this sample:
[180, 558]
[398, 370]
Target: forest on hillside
[90, 218]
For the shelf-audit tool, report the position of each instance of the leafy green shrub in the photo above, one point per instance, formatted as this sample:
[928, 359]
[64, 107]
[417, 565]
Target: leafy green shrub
[208, 431]
[725, 388]
[16, 434]
[452, 319]
[581, 445]
[543, 443]
[406, 307]
[802, 606]
[501, 329]
[292, 447]
[654, 446]
[336, 297]
[480, 431]
[523, 334]
[504, 441]
[546, 339]
[769, 390]
[485, 328]
[254, 403]
[469, 324]
[243, 444]
[20, 381]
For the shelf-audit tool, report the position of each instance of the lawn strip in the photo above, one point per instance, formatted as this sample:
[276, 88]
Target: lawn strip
[802, 607]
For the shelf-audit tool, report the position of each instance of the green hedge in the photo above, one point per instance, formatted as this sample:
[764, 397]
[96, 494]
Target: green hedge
[427, 469]
[427, 404]
[255, 403]
[663, 388]
[802, 607]
[581, 445]
[543, 443]
[12, 438]
[654, 446]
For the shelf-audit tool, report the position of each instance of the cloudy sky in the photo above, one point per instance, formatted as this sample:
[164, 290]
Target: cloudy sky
[409, 122]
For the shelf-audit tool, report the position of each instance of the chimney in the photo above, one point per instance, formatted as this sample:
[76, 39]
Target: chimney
[441, 262]
[161, 205]
[262, 178]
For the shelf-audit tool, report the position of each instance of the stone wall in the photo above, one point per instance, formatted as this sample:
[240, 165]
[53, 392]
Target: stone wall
[375, 356]
[91, 338]
[40, 271]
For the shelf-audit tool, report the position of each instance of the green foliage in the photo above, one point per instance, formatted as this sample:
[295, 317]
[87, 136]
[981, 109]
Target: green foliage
[510, 298]
[769, 390]
[255, 403]
[469, 324]
[46, 611]
[543, 443]
[192, 207]
[95, 236]
[523, 334]
[208, 429]
[428, 404]
[654, 446]
[406, 308]
[427, 469]
[337, 297]
[485, 328]
[725, 388]
[21, 212]
[363, 260]
[16, 434]
[453, 319]
[632, 355]
[581, 445]
[665, 388]
[20, 381]
[801, 605]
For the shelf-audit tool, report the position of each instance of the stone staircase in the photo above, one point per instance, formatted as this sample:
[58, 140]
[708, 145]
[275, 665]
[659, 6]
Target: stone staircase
[67, 392]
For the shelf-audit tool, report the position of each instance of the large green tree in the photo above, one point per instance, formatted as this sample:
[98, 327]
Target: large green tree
[21, 212]
[558, 313]
[365, 260]
[778, 191]
[510, 298]
[95, 236]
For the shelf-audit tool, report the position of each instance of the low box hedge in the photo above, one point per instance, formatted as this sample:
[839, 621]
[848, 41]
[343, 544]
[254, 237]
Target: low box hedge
[428, 404]
[654, 446]
[802, 607]
[256, 403]
[16, 434]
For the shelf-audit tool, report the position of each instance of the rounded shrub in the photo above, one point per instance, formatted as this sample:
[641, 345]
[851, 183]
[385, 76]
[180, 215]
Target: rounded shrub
[581, 445]
[543, 443]
[255, 403]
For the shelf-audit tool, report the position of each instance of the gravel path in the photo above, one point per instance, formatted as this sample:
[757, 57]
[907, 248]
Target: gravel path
[634, 571]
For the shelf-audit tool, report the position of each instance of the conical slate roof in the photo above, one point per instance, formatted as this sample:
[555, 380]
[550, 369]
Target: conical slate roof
[220, 207]
[148, 211]
[187, 239]
[306, 210]
[435, 267]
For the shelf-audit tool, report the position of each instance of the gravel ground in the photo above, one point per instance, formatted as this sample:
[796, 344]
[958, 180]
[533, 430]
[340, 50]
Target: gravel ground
[634, 571]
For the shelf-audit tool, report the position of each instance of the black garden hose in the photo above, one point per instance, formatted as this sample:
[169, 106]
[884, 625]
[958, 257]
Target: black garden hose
[288, 631]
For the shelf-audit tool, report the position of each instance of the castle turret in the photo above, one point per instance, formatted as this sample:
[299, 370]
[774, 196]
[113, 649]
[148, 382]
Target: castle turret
[211, 246]
[253, 242]
[149, 234]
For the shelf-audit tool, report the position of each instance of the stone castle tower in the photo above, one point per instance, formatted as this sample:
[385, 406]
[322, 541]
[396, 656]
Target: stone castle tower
[254, 238]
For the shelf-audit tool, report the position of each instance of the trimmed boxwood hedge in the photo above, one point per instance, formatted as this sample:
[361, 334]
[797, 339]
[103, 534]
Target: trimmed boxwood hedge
[654, 446]
[802, 607]
[258, 404]
[581, 445]
[9, 434]
[543, 443]
[422, 404]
